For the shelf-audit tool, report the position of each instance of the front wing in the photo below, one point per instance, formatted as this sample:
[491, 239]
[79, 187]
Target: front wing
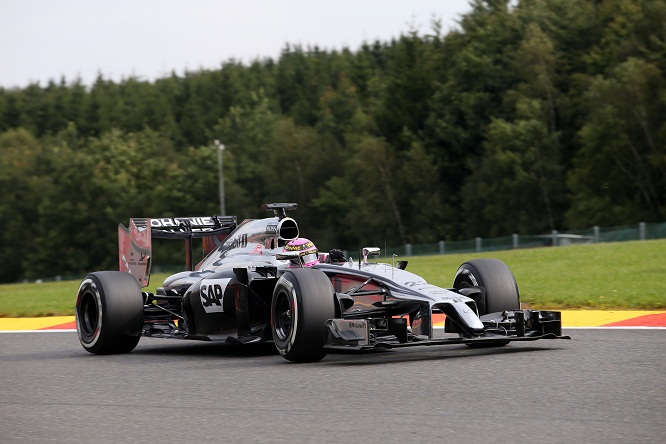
[500, 328]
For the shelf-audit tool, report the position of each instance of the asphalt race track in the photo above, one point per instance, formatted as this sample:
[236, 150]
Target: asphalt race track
[603, 386]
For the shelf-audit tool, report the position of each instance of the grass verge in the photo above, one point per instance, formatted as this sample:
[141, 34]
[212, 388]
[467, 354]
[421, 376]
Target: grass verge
[609, 276]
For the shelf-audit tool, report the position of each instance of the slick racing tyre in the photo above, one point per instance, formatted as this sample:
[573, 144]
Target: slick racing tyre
[303, 300]
[109, 312]
[496, 278]
[501, 290]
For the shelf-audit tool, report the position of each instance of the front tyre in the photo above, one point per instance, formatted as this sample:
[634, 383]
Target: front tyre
[498, 281]
[109, 312]
[501, 290]
[303, 300]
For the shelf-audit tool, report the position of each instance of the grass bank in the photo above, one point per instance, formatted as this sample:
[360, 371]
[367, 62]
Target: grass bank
[610, 276]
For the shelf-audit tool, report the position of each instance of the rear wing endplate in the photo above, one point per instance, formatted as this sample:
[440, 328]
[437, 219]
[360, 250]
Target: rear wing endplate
[135, 241]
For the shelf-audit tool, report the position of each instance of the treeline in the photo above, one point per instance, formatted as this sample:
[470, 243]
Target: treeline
[546, 115]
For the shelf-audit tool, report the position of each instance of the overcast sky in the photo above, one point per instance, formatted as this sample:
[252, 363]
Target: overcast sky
[48, 39]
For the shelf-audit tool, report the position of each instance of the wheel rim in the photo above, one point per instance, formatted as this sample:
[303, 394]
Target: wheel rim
[466, 279]
[283, 316]
[89, 315]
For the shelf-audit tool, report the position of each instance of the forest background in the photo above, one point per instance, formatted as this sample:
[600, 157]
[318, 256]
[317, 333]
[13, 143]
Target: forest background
[530, 116]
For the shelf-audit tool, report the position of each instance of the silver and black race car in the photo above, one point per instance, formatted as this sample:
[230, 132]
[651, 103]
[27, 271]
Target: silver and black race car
[259, 281]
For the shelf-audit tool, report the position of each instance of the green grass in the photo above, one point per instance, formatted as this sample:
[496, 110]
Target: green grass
[609, 276]
[47, 299]
[622, 276]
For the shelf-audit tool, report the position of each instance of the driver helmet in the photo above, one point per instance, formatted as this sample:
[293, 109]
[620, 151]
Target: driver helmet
[308, 254]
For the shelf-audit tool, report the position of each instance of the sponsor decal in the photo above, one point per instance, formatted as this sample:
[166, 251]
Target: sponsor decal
[425, 287]
[458, 300]
[434, 290]
[271, 229]
[211, 293]
[198, 223]
[141, 260]
[358, 327]
[237, 242]
[354, 325]
[414, 284]
[300, 247]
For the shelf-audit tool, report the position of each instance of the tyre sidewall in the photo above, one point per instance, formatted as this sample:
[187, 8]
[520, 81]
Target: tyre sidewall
[307, 334]
[89, 293]
[118, 305]
[468, 276]
[285, 287]
[497, 279]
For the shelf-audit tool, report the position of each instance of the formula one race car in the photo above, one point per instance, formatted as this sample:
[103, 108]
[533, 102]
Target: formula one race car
[259, 281]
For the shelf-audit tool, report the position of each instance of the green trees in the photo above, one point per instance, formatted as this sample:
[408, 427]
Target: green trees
[619, 173]
[19, 176]
[530, 116]
[517, 184]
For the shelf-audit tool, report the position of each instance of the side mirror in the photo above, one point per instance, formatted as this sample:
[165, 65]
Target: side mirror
[369, 251]
[287, 255]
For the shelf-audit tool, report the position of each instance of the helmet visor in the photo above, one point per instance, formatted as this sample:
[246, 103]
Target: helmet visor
[310, 257]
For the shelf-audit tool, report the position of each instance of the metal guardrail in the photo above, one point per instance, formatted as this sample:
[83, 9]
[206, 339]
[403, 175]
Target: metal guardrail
[641, 231]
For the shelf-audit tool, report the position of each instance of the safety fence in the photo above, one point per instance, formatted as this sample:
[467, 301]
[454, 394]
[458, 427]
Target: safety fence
[641, 231]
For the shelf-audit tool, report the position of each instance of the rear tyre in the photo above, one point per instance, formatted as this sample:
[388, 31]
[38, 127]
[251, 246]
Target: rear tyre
[303, 300]
[501, 289]
[109, 312]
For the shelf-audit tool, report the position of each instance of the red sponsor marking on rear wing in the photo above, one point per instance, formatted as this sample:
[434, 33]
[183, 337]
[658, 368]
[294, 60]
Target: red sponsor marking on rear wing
[135, 241]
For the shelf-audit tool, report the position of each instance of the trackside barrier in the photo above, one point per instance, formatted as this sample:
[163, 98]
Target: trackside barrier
[641, 231]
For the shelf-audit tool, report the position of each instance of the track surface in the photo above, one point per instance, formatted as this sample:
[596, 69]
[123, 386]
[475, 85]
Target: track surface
[604, 386]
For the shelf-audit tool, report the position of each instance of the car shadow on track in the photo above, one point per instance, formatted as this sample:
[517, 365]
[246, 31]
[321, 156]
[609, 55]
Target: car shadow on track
[164, 349]
[343, 358]
[196, 348]
[432, 354]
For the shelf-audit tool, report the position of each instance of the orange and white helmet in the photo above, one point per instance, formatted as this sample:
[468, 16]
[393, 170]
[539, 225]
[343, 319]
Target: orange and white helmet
[308, 254]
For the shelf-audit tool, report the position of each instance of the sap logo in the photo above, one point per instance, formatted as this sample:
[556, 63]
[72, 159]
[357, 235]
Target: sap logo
[212, 295]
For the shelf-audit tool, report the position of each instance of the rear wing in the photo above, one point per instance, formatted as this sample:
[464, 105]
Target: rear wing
[135, 241]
